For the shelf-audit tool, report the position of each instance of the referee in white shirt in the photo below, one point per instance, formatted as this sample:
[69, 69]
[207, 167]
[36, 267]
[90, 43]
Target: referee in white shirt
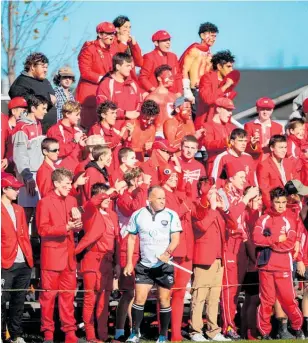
[159, 233]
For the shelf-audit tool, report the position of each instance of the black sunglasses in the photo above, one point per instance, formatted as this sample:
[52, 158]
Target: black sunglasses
[54, 150]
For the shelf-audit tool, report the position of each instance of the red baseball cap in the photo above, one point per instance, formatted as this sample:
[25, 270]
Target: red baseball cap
[265, 103]
[163, 144]
[105, 27]
[17, 102]
[8, 180]
[225, 103]
[234, 168]
[164, 173]
[160, 35]
[305, 106]
[235, 76]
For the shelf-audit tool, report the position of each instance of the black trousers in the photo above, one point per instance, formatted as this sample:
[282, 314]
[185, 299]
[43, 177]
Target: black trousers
[194, 107]
[16, 277]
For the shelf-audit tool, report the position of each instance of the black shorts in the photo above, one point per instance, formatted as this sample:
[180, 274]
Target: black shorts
[251, 283]
[162, 276]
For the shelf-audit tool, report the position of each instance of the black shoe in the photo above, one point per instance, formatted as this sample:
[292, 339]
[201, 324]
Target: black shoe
[48, 342]
[267, 338]
[233, 335]
[299, 334]
[306, 326]
[120, 339]
[283, 332]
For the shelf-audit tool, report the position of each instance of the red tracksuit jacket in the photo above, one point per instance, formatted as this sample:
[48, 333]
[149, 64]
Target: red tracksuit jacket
[70, 152]
[111, 136]
[11, 238]
[57, 244]
[281, 256]
[154, 59]
[294, 146]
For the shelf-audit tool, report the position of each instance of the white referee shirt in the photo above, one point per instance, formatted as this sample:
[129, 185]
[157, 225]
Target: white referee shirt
[154, 230]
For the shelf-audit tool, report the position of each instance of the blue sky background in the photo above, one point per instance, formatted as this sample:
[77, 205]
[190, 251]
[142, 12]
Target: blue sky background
[260, 34]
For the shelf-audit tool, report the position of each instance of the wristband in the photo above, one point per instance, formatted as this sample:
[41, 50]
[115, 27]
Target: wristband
[169, 252]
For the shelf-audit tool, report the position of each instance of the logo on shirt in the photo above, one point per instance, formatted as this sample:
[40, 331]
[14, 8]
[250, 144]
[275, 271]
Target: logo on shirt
[191, 175]
[164, 222]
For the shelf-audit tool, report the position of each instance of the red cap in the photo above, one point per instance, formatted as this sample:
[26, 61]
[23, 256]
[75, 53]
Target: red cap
[233, 168]
[305, 106]
[265, 103]
[164, 173]
[235, 76]
[8, 180]
[160, 35]
[105, 27]
[163, 144]
[225, 103]
[17, 102]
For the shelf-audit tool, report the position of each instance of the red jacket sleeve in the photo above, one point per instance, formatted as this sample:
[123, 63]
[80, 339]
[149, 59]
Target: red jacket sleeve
[127, 205]
[287, 245]
[204, 224]
[264, 184]
[85, 60]
[146, 72]
[258, 238]
[212, 144]
[249, 148]
[136, 53]
[208, 91]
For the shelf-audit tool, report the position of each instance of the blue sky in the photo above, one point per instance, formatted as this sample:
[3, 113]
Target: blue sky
[260, 34]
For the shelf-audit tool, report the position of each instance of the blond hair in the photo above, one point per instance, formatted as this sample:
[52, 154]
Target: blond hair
[70, 107]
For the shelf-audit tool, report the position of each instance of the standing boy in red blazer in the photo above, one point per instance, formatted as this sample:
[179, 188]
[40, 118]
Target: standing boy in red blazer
[57, 218]
[16, 257]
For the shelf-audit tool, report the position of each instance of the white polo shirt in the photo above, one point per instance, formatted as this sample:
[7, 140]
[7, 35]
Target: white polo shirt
[154, 230]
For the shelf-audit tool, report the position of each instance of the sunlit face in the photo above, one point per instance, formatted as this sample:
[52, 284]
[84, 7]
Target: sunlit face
[125, 68]
[17, 112]
[172, 181]
[239, 180]
[11, 193]
[163, 45]
[189, 149]
[298, 131]
[110, 117]
[256, 203]
[130, 159]
[124, 29]
[279, 149]
[64, 186]
[52, 152]
[166, 79]
[39, 71]
[105, 204]
[209, 37]
[106, 38]
[146, 120]
[40, 111]
[225, 69]
[157, 199]
[66, 81]
[280, 204]
[185, 111]
[224, 114]
[106, 158]
[73, 117]
[265, 113]
[239, 144]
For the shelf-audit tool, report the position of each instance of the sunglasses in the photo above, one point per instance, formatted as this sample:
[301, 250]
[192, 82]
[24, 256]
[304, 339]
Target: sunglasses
[54, 150]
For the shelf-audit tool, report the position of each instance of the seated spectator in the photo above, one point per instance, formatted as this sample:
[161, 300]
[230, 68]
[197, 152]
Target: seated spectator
[69, 135]
[216, 84]
[163, 96]
[16, 259]
[262, 129]
[181, 124]
[94, 61]
[160, 55]
[27, 154]
[143, 134]
[295, 137]
[217, 133]
[33, 81]
[63, 81]
[119, 88]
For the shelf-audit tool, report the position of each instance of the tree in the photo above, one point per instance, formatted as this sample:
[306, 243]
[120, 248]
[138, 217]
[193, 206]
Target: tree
[25, 25]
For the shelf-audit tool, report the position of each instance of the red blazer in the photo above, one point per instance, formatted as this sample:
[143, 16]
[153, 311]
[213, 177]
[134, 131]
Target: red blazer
[10, 239]
[57, 244]
[269, 176]
[151, 61]
[251, 128]
[43, 179]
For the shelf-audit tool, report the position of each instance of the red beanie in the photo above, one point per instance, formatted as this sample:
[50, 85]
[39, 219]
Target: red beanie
[164, 173]
[233, 168]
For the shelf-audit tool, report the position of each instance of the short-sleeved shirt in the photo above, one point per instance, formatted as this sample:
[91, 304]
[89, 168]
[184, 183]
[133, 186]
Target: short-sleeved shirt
[154, 230]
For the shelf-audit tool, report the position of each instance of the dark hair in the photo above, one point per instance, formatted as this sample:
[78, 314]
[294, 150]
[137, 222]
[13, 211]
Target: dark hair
[277, 193]
[132, 174]
[294, 122]
[189, 138]
[57, 79]
[159, 70]
[47, 142]
[36, 101]
[222, 58]
[120, 58]
[152, 188]
[238, 133]
[98, 151]
[61, 173]
[277, 139]
[290, 188]
[98, 188]
[248, 188]
[34, 59]
[208, 27]
[120, 20]
[150, 108]
[123, 153]
[202, 179]
[104, 107]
